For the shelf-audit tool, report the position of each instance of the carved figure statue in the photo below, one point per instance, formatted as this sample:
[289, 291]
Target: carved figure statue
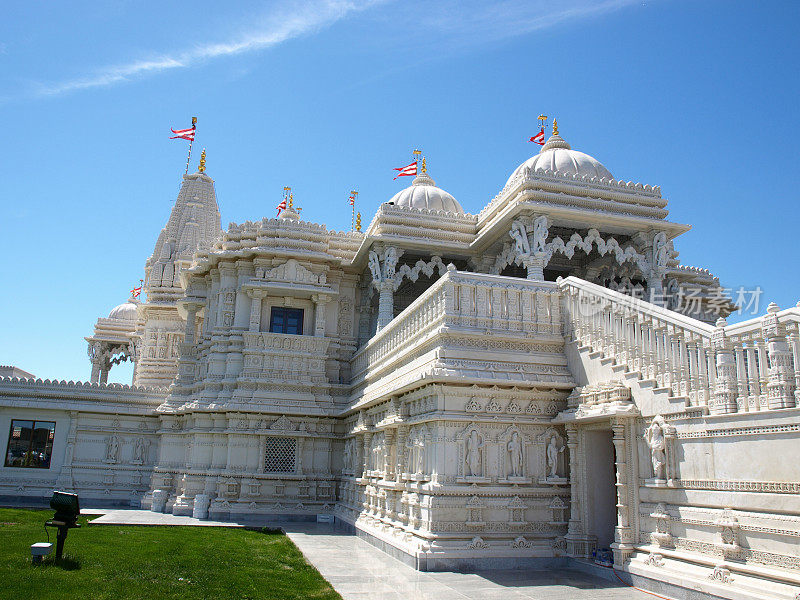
[348, 454]
[553, 450]
[473, 454]
[514, 448]
[654, 436]
[390, 262]
[112, 449]
[420, 456]
[660, 251]
[540, 230]
[374, 265]
[138, 450]
[520, 235]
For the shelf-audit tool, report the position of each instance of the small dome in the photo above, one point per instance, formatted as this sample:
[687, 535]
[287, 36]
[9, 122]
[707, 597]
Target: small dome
[124, 312]
[423, 193]
[557, 155]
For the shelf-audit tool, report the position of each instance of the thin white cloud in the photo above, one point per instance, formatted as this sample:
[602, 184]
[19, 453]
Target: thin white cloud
[448, 24]
[475, 21]
[290, 22]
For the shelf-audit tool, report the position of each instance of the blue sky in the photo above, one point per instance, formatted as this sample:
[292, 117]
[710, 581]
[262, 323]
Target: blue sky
[698, 96]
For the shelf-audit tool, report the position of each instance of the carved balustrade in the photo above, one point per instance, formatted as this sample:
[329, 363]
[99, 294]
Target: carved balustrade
[471, 302]
[748, 366]
[285, 357]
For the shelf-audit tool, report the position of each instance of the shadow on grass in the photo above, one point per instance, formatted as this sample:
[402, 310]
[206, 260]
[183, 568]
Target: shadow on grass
[67, 563]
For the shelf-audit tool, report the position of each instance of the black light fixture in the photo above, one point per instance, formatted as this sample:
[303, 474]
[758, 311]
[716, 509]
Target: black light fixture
[67, 510]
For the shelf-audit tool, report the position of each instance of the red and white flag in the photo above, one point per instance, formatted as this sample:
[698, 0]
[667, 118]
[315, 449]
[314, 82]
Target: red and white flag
[406, 171]
[183, 134]
[538, 138]
[353, 199]
[280, 207]
[136, 291]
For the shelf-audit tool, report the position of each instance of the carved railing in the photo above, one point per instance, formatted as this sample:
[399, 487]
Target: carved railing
[748, 366]
[483, 304]
[285, 357]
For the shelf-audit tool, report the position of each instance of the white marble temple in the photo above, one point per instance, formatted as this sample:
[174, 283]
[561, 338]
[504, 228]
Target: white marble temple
[518, 388]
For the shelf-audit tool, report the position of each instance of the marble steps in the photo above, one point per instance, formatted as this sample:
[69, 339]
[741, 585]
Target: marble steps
[665, 397]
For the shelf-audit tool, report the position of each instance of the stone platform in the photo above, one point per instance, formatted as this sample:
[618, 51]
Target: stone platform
[359, 571]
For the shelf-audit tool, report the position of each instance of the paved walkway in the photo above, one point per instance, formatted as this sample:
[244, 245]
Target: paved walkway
[359, 571]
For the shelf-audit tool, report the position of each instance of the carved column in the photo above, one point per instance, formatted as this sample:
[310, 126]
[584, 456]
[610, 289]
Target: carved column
[402, 439]
[753, 384]
[385, 304]
[367, 454]
[191, 319]
[358, 464]
[781, 386]
[255, 310]
[389, 442]
[382, 264]
[320, 300]
[578, 543]
[623, 538]
[726, 388]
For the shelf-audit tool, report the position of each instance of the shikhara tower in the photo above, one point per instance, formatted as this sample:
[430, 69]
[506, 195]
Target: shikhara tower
[521, 386]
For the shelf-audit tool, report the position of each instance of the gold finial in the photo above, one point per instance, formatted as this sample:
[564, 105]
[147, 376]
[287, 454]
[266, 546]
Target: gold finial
[424, 166]
[555, 126]
[202, 167]
[194, 120]
[291, 198]
[358, 222]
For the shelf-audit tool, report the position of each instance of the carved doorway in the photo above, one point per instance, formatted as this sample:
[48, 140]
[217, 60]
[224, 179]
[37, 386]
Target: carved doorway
[601, 486]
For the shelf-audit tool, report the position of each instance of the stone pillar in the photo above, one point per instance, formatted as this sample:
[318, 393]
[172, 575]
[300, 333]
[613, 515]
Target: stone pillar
[95, 371]
[255, 310]
[578, 543]
[385, 305]
[623, 537]
[320, 300]
[358, 465]
[402, 439]
[389, 442]
[535, 264]
[191, 316]
[367, 454]
[726, 387]
[781, 386]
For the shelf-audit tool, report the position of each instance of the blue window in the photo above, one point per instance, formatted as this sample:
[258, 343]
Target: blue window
[286, 320]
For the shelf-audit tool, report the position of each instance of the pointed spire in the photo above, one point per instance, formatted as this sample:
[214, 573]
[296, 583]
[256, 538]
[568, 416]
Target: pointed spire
[358, 222]
[424, 165]
[555, 126]
[202, 167]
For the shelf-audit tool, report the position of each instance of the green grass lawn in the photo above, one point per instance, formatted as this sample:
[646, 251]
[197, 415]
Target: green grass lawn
[104, 561]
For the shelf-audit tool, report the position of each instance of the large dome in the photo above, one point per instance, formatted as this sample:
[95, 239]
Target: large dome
[557, 155]
[124, 312]
[423, 193]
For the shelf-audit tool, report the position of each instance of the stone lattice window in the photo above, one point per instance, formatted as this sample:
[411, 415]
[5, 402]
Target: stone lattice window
[279, 456]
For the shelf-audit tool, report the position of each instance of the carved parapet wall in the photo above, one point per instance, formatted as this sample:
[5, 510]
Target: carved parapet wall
[281, 357]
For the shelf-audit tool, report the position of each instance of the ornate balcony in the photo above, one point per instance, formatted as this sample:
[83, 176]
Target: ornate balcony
[469, 327]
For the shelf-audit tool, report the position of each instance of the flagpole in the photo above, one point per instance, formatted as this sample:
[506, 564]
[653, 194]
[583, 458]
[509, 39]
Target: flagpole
[191, 141]
[354, 195]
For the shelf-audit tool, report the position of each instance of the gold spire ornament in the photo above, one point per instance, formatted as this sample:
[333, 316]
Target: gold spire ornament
[291, 204]
[358, 222]
[202, 167]
[555, 126]
[424, 166]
